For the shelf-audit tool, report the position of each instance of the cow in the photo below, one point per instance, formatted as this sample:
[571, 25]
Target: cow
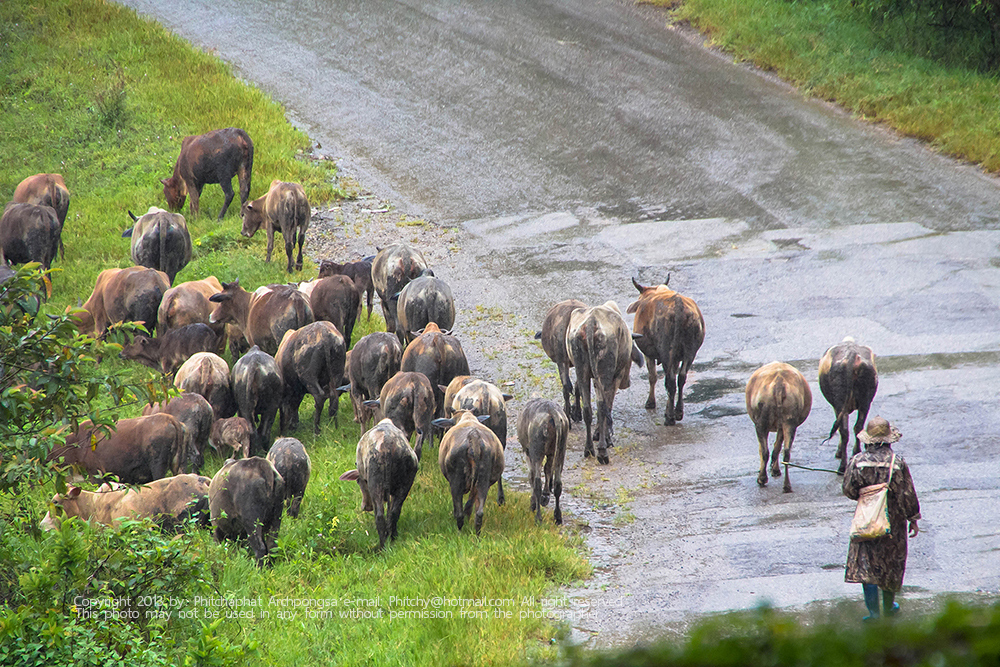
[166, 353]
[257, 388]
[669, 328]
[374, 359]
[423, 300]
[290, 459]
[132, 294]
[542, 428]
[284, 209]
[392, 268]
[169, 502]
[336, 300]
[310, 360]
[553, 338]
[46, 190]
[137, 450]
[439, 356]
[360, 272]
[187, 303]
[263, 318]
[482, 398]
[213, 157]
[600, 348]
[848, 379]
[29, 233]
[407, 399]
[386, 468]
[207, 374]
[471, 459]
[778, 401]
[456, 383]
[231, 433]
[196, 413]
[160, 240]
[246, 498]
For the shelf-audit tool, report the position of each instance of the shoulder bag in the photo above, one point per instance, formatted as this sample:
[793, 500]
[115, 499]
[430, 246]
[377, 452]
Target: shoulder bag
[871, 518]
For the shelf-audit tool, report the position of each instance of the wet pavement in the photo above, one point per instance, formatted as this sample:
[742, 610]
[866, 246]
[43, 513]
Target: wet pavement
[577, 144]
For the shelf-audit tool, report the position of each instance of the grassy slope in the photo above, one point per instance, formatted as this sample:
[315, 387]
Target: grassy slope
[89, 90]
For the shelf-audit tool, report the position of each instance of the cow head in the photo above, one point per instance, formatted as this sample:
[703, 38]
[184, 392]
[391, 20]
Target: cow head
[234, 302]
[253, 217]
[175, 190]
[330, 268]
[646, 291]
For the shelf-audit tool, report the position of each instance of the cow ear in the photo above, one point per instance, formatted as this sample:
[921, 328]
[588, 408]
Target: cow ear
[349, 476]
[127, 233]
[73, 492]
[443, 423]
[632, 307]
[483, 418]
[508, 397]
[165, 181]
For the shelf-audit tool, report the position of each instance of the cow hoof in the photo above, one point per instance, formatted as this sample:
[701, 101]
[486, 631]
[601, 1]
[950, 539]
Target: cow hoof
[587, 453]
[762, 480]
[775, 472]
[669, 421]
[787, 488]
[651, 405]
[603, 459]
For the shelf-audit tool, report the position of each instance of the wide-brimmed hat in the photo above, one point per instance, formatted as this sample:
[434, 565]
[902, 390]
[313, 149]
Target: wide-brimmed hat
[879, 431]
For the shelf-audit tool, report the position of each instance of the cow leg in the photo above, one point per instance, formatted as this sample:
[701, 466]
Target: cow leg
[227, 187]
[270, 241]
[482, 489]
[380, 522]
[682, 375]
[789, 437]
[651, 366]
[842, 448]
[670, 384]
[603, 424]
[557, 492]
[457, 483]
[859, 426]
[583, 386]
[289, 236]
[536, 490]
[567, 389]
[243, 174]
[320, 399]
[779, 439]
[194, 204]
[256, 540]
[547, 488]
[298, 264]
[396, 508]
[762, 442]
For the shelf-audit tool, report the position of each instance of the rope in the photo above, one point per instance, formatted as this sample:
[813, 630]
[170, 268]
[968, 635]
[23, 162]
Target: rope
[835, 472]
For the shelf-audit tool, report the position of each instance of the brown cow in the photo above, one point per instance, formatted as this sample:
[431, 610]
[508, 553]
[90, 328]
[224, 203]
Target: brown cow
[29, 233]
[213, 157]
[46, 190]
[392, 268]
[138, 450]
[196, 413]
[482, 398]
[187, 303]
[439, 356]
[408, 400]
[284, 209]
[246, 498]
[232, 433]
[360, 272]
[848, 379]
[374, 359]
[471, 459]
[290, 459]
[207, 374]
[553, 337]
[263, 318]
[160, 240]
[167, 352]
[423, 300]
[456, 383]
[311, 360]
[542, 428]
[778, 401]
[669, 328]
[336, 300]
[124, 295]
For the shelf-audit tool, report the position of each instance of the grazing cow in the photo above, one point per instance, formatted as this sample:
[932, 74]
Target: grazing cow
[407, 399]
[848, 379]
[553, 337]
[482, 398]
[188, 303]
[439, 356]
[138, 450]
[167, 352]
[392, 268]
[360, 272]
[257, 388]
[232, 433]
[46, 190]
[374, 359]
[423, 300]
[263, 318]
[778, 401]
[669, 328]
[600, 348]
[213, 157]
[207, 374]
[471, 459]
[160, 240]
[29, 233]
[169, 502]
[311, 360]
[386, 468]
[124, 295]
[542, 428]
[196, 413]
[284, 209]
[336, 300]
[290, 459]
[246, 498]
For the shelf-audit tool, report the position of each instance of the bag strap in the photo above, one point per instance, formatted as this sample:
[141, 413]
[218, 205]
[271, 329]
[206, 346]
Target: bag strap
[892, 464]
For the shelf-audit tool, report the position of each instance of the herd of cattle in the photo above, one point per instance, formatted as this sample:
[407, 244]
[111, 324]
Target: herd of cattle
[291, 340]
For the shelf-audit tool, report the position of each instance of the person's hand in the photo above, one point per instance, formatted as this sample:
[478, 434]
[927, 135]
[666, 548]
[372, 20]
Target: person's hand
[913, 528]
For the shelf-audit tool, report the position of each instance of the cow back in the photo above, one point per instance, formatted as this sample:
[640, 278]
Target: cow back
[45, 190]
[29, 233]
[275, 312]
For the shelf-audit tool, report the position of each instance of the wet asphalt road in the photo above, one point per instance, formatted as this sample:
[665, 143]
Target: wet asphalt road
[582, 142]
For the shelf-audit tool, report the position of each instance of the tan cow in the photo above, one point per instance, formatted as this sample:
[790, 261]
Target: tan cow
[124, 295]
[207, 374]
[284, 209]
[778, 401]
[46, 190]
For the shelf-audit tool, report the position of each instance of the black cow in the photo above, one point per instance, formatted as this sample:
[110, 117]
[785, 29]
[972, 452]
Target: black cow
[160, 240]
[246, 498]
[167, 352]
[311, 360]
[848, 379]
[542, 428]
[257, 388]
[392, 268]
[374, 359]
[29, 233]
[360, 272]
[290, 459]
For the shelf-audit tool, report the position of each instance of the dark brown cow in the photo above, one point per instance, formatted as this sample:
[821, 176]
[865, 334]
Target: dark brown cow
[138, 450]
[482, 398]
[124, 295]
[257, 388]
[542, 428]
[335, 299]
[232, 433]
[386, 468]
[374, 359]
[600, 348]
[392, 268]
[263, 316]
[160, 240]
[213, 157]
[423, 300]
[246, 499]
[311, 360]
[848, 379]
[29, 233]
[196, 413]
[167, 352]
[778, 401]
[284, 209]
[46, 190]
[207, 374]
[553, 337]
[439, 356]
[290, 459]
[669, 329]
[471, 459]
[408, 400]
[360, 272]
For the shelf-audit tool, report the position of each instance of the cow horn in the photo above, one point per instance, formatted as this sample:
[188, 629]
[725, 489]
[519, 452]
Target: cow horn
[372, 403]
[132, 215]
[346, 387]
[637, 285]
[667, 281]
